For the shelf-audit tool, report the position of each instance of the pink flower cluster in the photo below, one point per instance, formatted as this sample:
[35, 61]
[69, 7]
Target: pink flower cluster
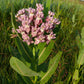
[32, 27]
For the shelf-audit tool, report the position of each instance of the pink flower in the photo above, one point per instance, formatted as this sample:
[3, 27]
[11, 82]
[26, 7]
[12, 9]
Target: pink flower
[40, 39]
[34, 31]
[50, 37]
[22, 11]
[39, 7]
[51, 13]
[38, 21]
[39, 14]
[56, 21]
[31, 13]
[43, 27]
[19, 30]
[25, 22]
[13, 30]
[34, 28]
[27, 29]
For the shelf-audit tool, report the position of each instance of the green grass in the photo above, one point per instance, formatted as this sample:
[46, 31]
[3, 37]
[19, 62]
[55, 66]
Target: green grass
[72, 21]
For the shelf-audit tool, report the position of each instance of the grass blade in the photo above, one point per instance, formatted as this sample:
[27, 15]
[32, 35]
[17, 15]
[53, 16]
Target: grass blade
[48, 3]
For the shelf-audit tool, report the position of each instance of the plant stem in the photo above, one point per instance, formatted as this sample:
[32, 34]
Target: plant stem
[35, 64]
[36, 79]
[36, 70]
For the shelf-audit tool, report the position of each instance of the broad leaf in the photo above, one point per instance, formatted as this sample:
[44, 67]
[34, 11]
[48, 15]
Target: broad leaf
[52, 67]
[81, 57]
[23, 50]
[40, 47]
[21, 68]
[45, 53]
[16, 53]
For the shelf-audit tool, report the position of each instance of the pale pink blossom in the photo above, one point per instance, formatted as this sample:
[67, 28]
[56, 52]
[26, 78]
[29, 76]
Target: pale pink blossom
[50, 37]
[34, 28]
[39, 39]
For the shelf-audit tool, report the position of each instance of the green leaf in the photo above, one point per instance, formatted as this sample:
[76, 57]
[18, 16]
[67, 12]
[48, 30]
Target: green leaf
[76, 75]
[81, 57]
[78, 41]
[21, 68]
[48, 3]
[45, 53]
[73, 18]
[27, 80]
[23, 79]
[32, 1]
[52, 67]
[16, 53]
[40, 47]
[82, 35]
[34, 51]
[23, 50]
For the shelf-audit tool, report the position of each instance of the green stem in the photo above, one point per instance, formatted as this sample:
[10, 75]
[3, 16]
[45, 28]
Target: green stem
[35, 66]
[36, 76]
[36, 79]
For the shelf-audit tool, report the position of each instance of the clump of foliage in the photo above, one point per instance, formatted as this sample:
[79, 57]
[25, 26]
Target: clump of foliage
[72, 21]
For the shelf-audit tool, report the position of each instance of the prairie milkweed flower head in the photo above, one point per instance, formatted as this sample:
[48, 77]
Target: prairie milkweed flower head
[33, 27]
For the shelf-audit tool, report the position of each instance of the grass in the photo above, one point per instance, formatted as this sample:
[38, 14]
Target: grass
[72, 21]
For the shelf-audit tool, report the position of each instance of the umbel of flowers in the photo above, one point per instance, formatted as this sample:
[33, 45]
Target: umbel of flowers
[33, 27]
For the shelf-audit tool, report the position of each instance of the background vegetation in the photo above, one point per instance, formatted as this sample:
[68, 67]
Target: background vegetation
[71, 16]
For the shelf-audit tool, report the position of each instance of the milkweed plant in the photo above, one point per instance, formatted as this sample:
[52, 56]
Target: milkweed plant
[35, 30]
